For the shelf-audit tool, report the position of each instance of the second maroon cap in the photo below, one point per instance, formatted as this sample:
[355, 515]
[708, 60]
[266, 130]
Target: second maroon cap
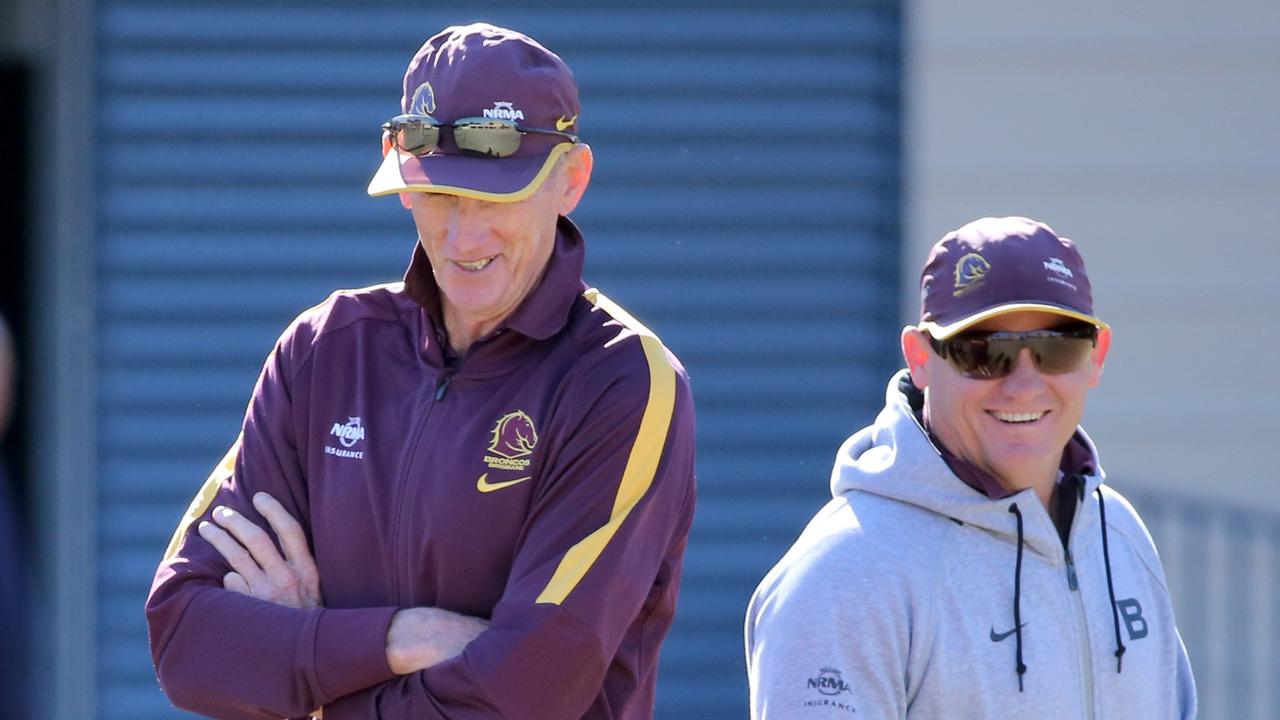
[997, 266]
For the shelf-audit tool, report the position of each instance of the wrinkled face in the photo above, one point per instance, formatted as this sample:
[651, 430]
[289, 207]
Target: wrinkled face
[486, 256]
[1015, 427]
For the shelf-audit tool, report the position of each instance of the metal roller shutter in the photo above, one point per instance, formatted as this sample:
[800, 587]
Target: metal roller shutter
[745, 206]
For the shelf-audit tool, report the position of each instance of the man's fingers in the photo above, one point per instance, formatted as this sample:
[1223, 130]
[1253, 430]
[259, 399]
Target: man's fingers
[297, 552]
[259, 568]
[253, 538]
[239, 558]
[235, 583]
[292, 538]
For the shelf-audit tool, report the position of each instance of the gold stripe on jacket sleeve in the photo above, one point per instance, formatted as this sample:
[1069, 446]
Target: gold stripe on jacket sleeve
[642, 463]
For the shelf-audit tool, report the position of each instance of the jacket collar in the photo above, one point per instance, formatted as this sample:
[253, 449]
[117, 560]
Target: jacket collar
[542, 313]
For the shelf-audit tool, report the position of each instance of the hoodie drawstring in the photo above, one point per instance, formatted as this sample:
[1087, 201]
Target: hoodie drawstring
[1017, 596]
[1111, 591]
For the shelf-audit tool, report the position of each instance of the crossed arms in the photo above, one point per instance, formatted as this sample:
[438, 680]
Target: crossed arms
[239, 628]
[418, 638]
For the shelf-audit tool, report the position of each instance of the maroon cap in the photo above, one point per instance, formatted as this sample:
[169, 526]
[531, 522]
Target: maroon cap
[482, 70]
[996, 266]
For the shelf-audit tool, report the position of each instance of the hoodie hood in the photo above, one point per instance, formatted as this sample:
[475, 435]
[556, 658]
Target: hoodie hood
[894, 458]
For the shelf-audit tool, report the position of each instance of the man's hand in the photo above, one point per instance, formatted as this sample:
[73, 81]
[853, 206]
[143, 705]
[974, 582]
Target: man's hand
[257, 568]
[422, 637]
[418, 637]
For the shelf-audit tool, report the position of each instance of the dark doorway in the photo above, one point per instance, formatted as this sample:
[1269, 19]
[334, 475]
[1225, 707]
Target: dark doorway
[15, 240]
[15, 289]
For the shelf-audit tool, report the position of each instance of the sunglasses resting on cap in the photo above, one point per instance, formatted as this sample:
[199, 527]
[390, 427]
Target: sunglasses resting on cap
[419, 135]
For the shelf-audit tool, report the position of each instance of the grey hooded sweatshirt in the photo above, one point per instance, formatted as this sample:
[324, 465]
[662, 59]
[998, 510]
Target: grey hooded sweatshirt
[911, 595]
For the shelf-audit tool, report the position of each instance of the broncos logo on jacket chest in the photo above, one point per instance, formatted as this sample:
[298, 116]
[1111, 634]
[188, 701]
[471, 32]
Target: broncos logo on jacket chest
[511, 442]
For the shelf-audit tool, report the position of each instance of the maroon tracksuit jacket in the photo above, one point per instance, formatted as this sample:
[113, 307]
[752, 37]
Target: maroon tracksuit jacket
[543, 481]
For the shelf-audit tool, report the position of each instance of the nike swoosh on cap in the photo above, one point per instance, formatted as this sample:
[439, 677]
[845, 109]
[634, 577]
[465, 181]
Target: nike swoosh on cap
[562, 124]
[484, 486]
[997, 637]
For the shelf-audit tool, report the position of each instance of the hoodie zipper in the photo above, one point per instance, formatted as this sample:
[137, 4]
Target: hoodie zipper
[1082, 630]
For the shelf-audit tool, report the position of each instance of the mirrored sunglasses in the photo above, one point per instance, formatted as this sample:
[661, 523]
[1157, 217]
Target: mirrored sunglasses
[993, 355]
[420, 134]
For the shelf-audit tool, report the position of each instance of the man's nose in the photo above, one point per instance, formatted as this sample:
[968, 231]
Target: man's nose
[467, 224]
[1026, 378]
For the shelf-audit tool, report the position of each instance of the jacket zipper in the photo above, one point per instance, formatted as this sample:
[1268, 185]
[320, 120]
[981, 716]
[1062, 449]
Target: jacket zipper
[399, 551]
[442, 384]
[1086, 657]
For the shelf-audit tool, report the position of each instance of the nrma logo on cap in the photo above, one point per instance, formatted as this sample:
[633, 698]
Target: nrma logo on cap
[424, 100]
[503, 111]
[1056, 265]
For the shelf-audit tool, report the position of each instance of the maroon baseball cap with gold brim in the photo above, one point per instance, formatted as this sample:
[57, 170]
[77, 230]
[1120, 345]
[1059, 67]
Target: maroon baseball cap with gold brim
[996, 266]
[483, 71]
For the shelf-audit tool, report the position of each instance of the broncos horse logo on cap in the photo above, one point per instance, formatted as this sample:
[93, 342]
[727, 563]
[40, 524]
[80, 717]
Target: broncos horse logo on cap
[424, 100]
[514, 436]
[971, 270]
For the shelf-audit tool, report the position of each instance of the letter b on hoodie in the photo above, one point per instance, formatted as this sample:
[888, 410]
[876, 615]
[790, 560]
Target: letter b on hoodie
[1131, 611]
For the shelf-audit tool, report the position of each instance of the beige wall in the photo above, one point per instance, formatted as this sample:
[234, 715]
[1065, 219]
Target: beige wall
[1149, 132]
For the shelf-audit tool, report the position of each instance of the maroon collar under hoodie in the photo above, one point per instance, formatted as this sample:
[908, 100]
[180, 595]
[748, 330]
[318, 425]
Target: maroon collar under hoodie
[1077, 460]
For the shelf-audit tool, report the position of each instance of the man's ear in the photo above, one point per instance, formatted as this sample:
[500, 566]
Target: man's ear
[1099, 356]
[577, 164]
[916, 352]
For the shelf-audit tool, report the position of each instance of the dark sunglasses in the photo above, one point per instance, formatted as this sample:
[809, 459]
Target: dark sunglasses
[993, 355]
[420, 134]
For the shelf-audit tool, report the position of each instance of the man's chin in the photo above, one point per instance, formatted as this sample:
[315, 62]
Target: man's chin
[473, 300]
[1020, 467]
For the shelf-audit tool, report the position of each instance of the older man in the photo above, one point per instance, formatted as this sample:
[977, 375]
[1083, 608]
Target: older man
[467, 495]
[972, 563]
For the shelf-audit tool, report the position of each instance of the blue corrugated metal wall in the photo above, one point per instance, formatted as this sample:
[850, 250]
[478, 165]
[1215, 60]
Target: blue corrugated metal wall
[745, 206]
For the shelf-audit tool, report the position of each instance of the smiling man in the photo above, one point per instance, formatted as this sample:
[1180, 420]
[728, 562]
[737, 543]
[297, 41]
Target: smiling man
[972, 563]
[466, 495]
